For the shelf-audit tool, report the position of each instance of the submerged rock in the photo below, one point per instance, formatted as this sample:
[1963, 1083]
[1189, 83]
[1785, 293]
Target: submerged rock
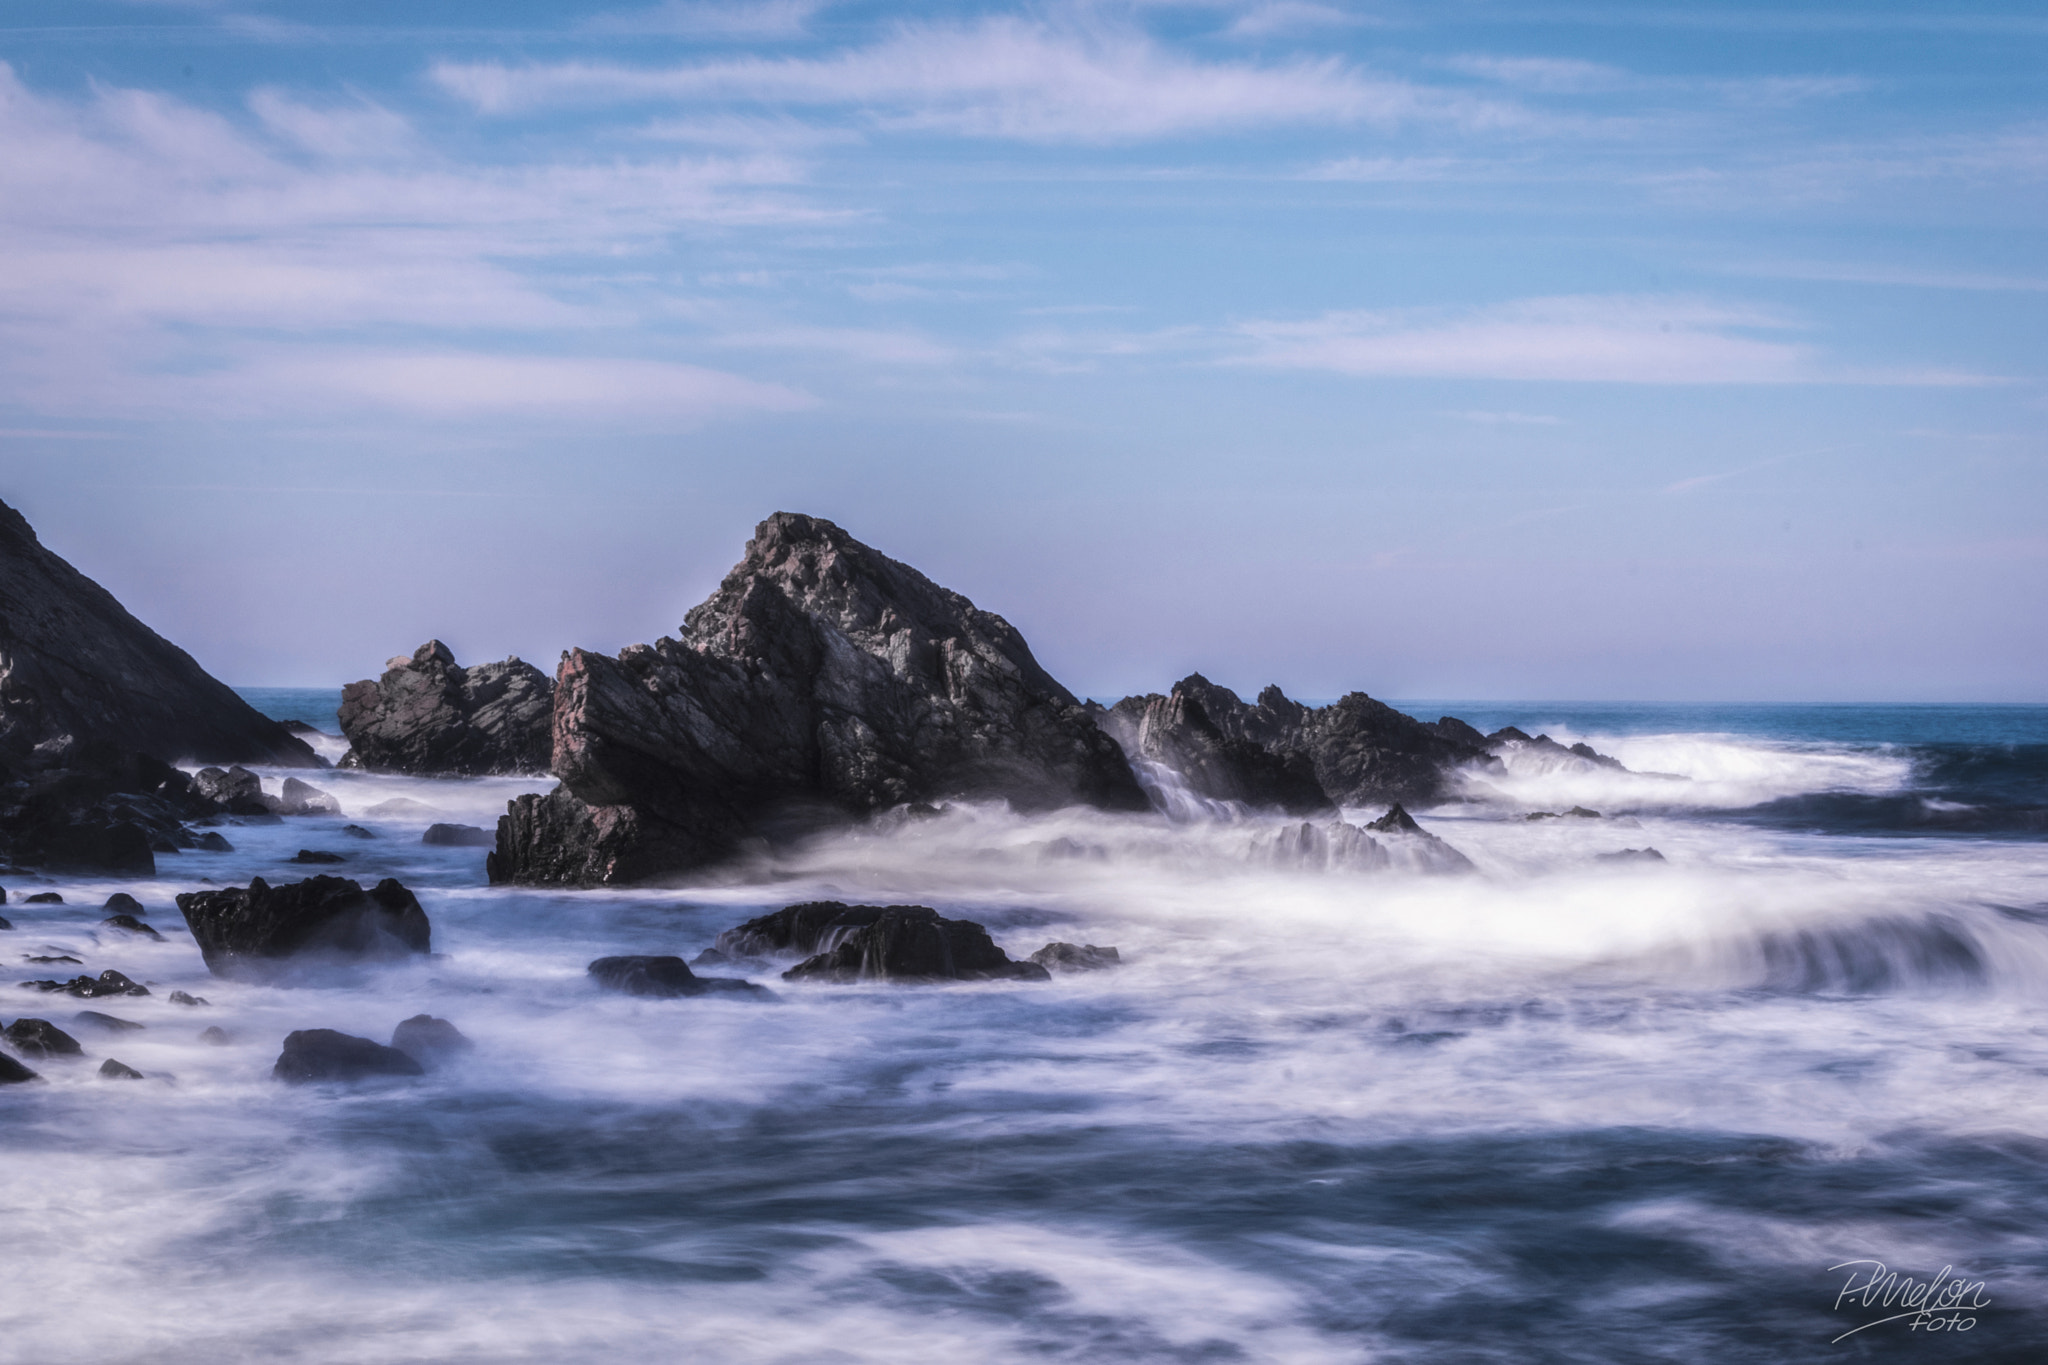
[303, 798]
[1330, 847]
[105, 1023]
[40, 1038]
[43, 898]
[1414, 848]
[13, 1072]
[357, 832]
[5, 924]
[1076, 957]
[131, 925]
[322, 1054]
[906, 943]
[183, 998]
[111, 1070]
[1631, 855]
[665, 978]
[318, 855]
[215, 1036]
[458, 836]
[431, 717]
[326, 916]
[429, 1041]
[822, 681]
[109, 982]
[213, 842]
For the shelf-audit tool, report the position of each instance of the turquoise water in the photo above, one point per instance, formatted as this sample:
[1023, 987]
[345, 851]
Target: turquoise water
[318, 707]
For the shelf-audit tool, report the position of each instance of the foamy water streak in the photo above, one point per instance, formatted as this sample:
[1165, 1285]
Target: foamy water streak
[1324, 1112]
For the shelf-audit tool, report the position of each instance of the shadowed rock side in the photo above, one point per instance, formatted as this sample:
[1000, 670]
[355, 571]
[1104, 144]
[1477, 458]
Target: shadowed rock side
[846, 943]
[327, 916]
[1176, 730]
[430, 717]
[77, 669]
[323, 1054]
[822, 680]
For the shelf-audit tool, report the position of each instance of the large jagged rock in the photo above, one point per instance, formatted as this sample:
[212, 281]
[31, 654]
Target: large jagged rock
[1177, 731]
[237, 928]
[76, 669]
[822, 680]
[431, 717]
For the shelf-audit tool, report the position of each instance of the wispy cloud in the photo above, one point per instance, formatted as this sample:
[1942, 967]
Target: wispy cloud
[754, 19]
[1613, 339]
[1002, 77]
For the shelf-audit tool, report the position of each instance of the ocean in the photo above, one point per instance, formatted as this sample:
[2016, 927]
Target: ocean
[1569, 1107]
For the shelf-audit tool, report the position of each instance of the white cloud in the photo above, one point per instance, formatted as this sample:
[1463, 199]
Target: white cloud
[363, 131]
[867, 345]
[1002, 77]
[1616, 339]
[1289, 16]
[713, 18]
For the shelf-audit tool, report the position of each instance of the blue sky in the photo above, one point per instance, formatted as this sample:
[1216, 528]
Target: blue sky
[1466, 349]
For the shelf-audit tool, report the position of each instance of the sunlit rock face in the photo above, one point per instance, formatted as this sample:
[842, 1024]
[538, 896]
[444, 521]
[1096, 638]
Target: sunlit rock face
[822, 680]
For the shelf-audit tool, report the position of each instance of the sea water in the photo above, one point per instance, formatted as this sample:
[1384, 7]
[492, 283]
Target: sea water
[1561, 1108]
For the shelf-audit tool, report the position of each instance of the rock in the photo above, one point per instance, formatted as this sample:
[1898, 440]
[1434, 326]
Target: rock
[1332, 847]
[215, 1036]
[1076, 957]
[802, 930]
[111, 1070]
[315, 855]
[1178, 732]
[1545, 755]
[322, 1054]
[910, 943]
[458, 836]
[81, 671]
[1411, 847]
[326, 916]
[184, 998]
[1631, 855]
[13, 1072]
[43, 898]
[40, 1038]
[303, 798]
[214, 843]
[822, 681]
[5, 924]
[131, 925]
[121, 903]
[433, 718]
[357, 832]
[711, 957]
[105, 1023]
[429, 1041]
[665, 978]
[53, 961]
[109, 982]
[404, 808]
[237, 789]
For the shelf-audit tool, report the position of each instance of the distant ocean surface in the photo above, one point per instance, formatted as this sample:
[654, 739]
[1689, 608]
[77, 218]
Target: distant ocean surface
[1585, 1103]
[319, 707]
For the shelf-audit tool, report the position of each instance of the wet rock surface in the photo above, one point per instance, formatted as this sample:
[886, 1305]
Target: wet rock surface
[130, 924]
[326, 916]
[13, 1072]
[662, 977]
[105, 1023]
[459, 836]
[822, 681]
[107, 983]
[905, 943]
[431, 717]
[40, 1038]
[323, 1054]
[111, 1070]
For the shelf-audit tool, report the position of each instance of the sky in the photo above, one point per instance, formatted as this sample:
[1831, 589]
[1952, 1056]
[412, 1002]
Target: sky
[1463, 350]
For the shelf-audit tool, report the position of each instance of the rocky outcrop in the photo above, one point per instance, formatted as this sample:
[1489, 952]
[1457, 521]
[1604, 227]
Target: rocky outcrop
[845, 943]
[322, 1054]
[1334, 846]
[1076, 957]
[40, 1038]
[333, 917]
[77, 669]
[1250, 763]
[459, 836]
[13, 1072]
[431, 717]
[429, 1041]
[822, 681]
[109, 982]
[665, 978]
[1412, 848]
[111, 1070]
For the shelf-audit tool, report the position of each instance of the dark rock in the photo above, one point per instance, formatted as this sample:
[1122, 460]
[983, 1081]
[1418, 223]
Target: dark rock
[184, 998]
[109, 982]
[213, 843]
[802, 930]
[82, 671]
[1178, 731]
[43, 898]
[121, 903]
[299, 727]
[913, 943]
[357, 832]
[40, 1038]
[431, 717]
[1414, 848]
[315, 855]
[54, 961]
[215, 1035]
[132, 925]
[303, 798]
[1631, 855]
[1076, 957]
[1395, 821]
[105, 1023]
[1546, 753]
[664, 978]
[822, 681]
[458, 836]
[329, 916]
[322, 1054]
[711, 957]
[236, 789]
[5, 924]
[1457, 732]
[111, 1070]
[13, 1072]
[429, 1041]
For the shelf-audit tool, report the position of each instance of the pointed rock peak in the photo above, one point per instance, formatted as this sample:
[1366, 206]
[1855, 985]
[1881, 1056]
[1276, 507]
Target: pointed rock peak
[1273, 699]
[1395, 821]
